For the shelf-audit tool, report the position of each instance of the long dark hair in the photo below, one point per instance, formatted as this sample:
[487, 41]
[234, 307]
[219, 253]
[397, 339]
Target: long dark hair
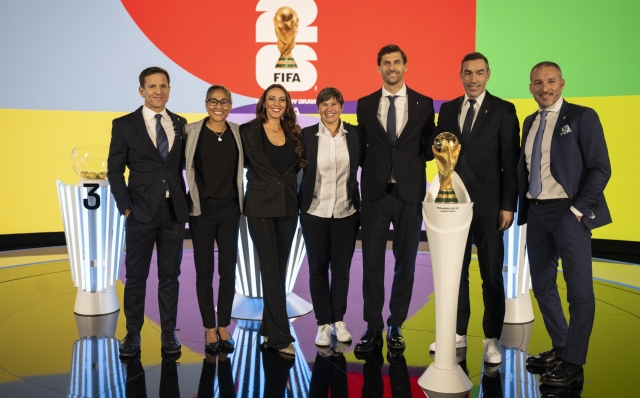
[292, 131]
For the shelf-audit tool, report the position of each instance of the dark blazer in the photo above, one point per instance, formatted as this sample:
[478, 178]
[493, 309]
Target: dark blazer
[487, 164]
[149, 175]
[356, 147]
[269, 194]
[579, 163]
[408, 156]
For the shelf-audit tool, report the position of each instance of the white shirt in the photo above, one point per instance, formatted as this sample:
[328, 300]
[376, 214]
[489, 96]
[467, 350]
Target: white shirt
[330, 194]
[465, 109]
[402, 109]
[151, 122]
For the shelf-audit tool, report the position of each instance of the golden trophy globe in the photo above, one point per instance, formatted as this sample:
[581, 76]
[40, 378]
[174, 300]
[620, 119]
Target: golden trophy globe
[90, 161]
[286, 25]
[446, 149]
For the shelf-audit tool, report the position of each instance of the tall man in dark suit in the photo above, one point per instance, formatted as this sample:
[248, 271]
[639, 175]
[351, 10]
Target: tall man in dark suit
[563, 170]
[488, 129]
[149, 142]
[397, 123]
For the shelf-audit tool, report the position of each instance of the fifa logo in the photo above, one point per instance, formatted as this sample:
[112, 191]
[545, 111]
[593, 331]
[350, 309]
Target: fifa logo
[286, 61]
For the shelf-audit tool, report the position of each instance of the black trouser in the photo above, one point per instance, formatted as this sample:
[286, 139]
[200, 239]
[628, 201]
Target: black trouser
[554, 231]
[407, 223]
[168, 235]
[272, 238]
[218, 222]
[330, 243]
[490, 248]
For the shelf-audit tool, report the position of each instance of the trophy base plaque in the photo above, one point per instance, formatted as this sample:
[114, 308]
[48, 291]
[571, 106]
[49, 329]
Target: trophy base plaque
[250, 308]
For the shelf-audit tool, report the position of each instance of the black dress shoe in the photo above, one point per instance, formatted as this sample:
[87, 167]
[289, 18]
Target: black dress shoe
[395, 341]
[226, 346]
[564, 374]
[130, 345]
[369, 340]
[548, 359]
[211, 348]
[574, 390]
[170, 343]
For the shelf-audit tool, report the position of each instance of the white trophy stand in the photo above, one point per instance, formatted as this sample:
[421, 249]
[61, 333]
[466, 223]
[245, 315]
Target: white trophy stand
[518, 307]
[247, 303]
[94, 230]
[447, 226]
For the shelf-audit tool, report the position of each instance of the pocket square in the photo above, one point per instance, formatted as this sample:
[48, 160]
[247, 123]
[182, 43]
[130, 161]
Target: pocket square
[565, 129]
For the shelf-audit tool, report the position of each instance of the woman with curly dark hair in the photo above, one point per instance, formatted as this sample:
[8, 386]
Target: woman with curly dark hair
[273, 155]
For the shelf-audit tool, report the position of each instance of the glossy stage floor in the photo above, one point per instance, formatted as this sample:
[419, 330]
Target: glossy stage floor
[47, 351]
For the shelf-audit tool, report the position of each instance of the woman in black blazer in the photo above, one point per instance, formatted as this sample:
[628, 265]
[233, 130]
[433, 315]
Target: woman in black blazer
[273, 156]
[330, 212]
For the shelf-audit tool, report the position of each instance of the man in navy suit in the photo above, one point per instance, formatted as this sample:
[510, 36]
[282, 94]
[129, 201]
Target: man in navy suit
[488, 130]
[149, 143]
[397, 123]
[562, 172]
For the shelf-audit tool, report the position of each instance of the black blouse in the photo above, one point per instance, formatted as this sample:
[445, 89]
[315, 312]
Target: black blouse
[281, 157]
[216, 164]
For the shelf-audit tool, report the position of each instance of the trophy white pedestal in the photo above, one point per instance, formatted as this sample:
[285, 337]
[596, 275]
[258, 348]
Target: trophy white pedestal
[95, 369]
[447, 226]
[247, 303]
[94, 230]
[518, 307]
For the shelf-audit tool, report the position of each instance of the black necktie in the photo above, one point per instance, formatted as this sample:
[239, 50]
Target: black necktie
[161, 138]
[391, 119]
[468, 121]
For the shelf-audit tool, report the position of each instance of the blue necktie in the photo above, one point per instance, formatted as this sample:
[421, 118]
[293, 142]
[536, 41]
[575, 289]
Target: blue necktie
[391, 119]
[535, 177]
[161, 138]
[468, 121]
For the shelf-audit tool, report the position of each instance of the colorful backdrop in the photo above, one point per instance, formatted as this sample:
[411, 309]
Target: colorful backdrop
[68, 68]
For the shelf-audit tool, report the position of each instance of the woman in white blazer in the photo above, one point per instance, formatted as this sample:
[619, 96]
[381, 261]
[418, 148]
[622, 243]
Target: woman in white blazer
[215, 166]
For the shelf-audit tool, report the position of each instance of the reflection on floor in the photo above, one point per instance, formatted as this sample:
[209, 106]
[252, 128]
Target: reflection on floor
[47, 351]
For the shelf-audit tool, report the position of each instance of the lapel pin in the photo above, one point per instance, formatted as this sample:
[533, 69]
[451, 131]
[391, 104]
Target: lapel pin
[486, 111]
[564, 117]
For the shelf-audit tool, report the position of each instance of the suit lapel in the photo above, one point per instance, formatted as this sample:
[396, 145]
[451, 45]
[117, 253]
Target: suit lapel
[256, 147]
[483, 113]
[141, 128]
[413, 107]
[374, 105]
[351, 147]
[177, 122]
[557, 129]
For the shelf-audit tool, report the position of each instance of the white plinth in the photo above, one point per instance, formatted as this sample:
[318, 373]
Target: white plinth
[250, 308]
[447, 226]
[94, 231]
[518, 307]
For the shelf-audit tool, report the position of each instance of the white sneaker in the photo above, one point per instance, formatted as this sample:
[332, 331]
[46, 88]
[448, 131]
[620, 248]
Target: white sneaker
[492, 354]
[339, 330]
[323, 339]
[461, 342]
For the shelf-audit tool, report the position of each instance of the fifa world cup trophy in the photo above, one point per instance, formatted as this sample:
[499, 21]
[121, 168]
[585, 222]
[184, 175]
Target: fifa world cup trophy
[286, 25]
[446, 149]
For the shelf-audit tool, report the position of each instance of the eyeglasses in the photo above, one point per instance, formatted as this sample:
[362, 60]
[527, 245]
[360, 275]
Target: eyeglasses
[214, 102]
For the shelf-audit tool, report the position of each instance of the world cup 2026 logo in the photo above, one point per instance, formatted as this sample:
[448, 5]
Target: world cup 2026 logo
[286, 61]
